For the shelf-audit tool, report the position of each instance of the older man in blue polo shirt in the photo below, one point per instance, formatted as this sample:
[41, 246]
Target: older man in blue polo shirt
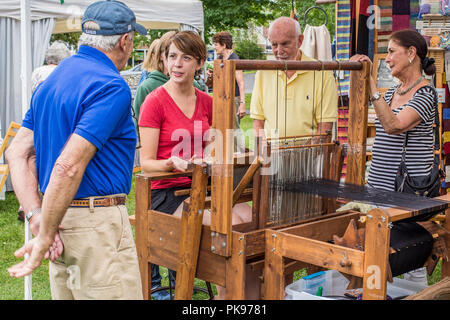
[77, 144]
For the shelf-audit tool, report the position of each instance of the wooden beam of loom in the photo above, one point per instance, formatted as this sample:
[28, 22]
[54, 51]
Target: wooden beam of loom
[296, 65]
[222, 166]
[358, 112]
[191, 229]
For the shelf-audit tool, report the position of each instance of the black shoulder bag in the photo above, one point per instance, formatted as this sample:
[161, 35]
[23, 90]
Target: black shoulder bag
[426, 186]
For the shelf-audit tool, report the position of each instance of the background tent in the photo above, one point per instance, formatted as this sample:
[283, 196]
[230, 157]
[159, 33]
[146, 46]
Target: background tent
[44, 17]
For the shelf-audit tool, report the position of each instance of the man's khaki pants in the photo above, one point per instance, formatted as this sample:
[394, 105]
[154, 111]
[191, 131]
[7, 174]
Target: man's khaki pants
[99, 260]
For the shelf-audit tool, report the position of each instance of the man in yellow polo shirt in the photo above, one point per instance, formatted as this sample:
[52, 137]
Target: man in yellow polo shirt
[294, 102]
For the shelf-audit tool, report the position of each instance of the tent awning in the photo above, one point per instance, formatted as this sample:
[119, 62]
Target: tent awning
[154, 14]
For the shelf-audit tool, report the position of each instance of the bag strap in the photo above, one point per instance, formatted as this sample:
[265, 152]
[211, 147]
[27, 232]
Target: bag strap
[436, 138]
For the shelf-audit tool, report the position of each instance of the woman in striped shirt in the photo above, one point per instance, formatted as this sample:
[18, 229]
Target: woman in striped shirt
[407, 107]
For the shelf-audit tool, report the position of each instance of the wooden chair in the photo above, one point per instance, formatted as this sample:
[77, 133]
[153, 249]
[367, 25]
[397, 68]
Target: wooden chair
[4, 168]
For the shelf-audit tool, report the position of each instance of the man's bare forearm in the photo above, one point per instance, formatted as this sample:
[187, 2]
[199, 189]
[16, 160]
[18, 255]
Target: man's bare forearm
[258, 128]
[21, 160]
[64, 182]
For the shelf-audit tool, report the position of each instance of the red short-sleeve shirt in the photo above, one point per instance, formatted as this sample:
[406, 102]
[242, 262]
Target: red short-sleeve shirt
[179, 136]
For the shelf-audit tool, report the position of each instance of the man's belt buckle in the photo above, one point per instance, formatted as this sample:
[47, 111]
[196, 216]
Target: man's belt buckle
[99, 202]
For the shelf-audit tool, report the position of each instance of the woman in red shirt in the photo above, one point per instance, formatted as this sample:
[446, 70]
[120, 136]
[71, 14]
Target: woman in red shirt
[174, 121]
[173, 125]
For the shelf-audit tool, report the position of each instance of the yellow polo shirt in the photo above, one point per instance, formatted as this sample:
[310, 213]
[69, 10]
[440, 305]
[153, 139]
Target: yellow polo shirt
[308, 98]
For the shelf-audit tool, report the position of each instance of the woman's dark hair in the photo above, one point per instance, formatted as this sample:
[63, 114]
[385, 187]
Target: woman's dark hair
[411, 38]
[224, 38]
[190, 43]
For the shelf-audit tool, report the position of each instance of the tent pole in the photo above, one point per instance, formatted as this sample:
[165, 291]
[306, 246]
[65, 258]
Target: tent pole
[25, 41]
[28, 279]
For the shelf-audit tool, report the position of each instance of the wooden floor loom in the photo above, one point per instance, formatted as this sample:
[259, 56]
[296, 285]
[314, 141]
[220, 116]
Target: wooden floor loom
[222, 253]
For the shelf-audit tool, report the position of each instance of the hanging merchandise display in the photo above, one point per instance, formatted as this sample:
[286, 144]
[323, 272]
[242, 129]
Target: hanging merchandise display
[317, 42]
[343, 25]
[445, 7]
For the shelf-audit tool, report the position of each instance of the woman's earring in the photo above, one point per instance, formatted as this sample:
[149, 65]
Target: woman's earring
[410, 61]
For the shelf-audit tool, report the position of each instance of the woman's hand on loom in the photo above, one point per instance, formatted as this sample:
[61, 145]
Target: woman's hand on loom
[178, 163]
[360, 58]
[363, 58]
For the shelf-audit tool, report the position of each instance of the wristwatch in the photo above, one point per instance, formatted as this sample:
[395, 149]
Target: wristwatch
[30, 214]
[375, 96]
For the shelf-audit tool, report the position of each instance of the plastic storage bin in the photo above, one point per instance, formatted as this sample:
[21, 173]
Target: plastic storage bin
[401, 288]
[333, 285]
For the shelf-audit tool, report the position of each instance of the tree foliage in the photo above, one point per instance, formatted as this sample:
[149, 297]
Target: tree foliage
[314, 17]
[248, 49]
[226, 15]
[70, 39]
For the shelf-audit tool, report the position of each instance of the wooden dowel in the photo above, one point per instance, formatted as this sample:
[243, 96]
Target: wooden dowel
[248, 176]
[166, 175]
[184, 192]
[296, 65]
[246, 196]
[299, 136]
[306, 146]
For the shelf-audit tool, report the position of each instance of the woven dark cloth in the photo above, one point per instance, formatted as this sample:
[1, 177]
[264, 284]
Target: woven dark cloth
[412, 244]
[424, 208]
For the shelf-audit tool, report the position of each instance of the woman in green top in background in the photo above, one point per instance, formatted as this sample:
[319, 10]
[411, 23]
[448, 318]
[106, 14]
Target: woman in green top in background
[156, 78]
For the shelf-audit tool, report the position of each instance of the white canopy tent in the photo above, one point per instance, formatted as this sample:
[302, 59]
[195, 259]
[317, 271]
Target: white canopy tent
[154, 14]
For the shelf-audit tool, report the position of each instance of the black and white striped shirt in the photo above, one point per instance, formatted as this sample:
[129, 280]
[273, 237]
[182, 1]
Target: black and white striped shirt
[387, 148]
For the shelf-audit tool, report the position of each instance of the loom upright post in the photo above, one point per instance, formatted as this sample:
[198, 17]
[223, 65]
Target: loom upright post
[376, 256]
[143, 204]
[222, 167]
[190, 234]
[357, 127]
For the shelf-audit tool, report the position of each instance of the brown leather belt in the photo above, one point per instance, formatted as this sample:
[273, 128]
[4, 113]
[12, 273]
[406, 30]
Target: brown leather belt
[100, 202]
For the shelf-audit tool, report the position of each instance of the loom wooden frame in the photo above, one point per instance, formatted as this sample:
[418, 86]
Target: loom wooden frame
[220, 253]
[4, 168]
[370, 264]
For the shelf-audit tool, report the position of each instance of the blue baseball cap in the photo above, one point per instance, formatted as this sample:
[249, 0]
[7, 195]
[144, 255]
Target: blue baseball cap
[113, 18]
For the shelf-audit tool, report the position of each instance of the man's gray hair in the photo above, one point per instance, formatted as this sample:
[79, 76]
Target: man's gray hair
[105, 43]
[298, 30]
[57, 52]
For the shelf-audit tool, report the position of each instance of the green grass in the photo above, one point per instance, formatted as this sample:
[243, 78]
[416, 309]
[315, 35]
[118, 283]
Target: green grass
[12, 238]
